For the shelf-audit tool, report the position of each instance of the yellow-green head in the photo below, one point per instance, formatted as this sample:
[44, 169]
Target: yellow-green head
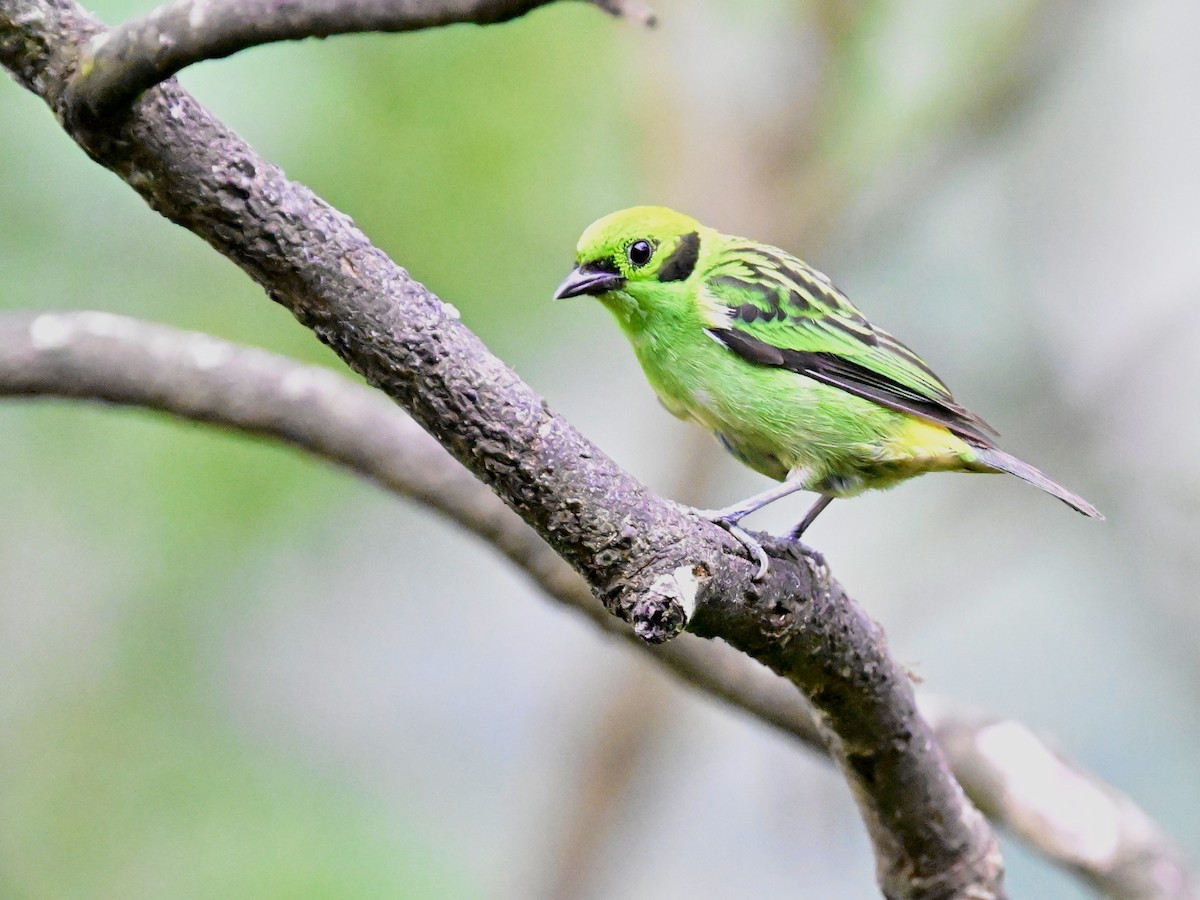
[628, 258]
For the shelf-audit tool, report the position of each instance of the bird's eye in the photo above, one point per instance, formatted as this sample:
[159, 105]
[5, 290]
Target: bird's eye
[639, 253]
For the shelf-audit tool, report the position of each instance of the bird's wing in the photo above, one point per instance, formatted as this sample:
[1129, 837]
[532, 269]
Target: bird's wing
[784, 314]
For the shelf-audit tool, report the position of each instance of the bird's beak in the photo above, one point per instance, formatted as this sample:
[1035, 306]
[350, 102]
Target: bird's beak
[586, 279]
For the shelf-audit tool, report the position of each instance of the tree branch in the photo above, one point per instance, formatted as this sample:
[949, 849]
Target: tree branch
[1055, 807]
[651, 562]
[122, 63]
[1064, 811]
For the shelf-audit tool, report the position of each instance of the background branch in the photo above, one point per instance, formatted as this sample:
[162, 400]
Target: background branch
[1058, 809]
[1069, 814]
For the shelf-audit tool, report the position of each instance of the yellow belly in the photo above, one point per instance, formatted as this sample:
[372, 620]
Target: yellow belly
[921, 446]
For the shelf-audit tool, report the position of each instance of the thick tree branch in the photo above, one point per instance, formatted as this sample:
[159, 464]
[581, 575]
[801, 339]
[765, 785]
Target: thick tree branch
[1058, 809]
[650, 562]
[133, 57]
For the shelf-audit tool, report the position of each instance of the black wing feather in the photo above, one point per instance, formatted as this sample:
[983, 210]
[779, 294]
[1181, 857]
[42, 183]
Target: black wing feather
[839, 372]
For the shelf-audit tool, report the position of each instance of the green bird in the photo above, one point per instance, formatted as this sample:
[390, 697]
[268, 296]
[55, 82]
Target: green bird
[764, 352]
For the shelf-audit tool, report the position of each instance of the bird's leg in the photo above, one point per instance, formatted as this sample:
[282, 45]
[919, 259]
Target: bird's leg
[809, 517]
[737, 512]
[729, 517]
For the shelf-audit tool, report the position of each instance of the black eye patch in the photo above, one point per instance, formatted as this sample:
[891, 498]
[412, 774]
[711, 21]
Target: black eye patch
[679, 265]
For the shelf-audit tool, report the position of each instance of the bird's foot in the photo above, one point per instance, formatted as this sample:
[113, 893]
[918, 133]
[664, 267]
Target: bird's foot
[728, 519]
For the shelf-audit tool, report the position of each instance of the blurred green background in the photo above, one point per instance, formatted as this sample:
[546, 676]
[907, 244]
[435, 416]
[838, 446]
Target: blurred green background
[223, 666]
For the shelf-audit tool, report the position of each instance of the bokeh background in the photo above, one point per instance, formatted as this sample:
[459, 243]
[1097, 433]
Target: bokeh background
[229, 670]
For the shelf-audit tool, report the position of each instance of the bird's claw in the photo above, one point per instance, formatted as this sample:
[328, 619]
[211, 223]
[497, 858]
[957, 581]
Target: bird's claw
[719, 517]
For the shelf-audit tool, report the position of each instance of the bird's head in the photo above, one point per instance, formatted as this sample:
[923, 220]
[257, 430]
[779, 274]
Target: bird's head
[627, 258]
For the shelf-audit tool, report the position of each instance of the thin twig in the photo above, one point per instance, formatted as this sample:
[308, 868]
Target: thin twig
[1054, 806]
[119, 65]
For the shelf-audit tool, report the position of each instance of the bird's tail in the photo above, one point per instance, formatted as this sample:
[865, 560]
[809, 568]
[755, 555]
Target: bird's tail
[1006, 462]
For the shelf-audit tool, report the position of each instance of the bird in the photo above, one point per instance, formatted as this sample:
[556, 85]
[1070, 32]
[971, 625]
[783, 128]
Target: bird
[762, 350]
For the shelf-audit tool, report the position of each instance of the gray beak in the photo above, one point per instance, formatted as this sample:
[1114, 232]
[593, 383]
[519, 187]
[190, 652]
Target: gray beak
[588, 279]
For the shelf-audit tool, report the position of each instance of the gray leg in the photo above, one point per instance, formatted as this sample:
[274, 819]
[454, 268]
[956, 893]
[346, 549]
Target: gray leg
[797, 481]
[809, 517]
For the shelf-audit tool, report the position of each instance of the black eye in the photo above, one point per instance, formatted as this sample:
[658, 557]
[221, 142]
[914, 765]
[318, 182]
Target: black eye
[639, 253]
